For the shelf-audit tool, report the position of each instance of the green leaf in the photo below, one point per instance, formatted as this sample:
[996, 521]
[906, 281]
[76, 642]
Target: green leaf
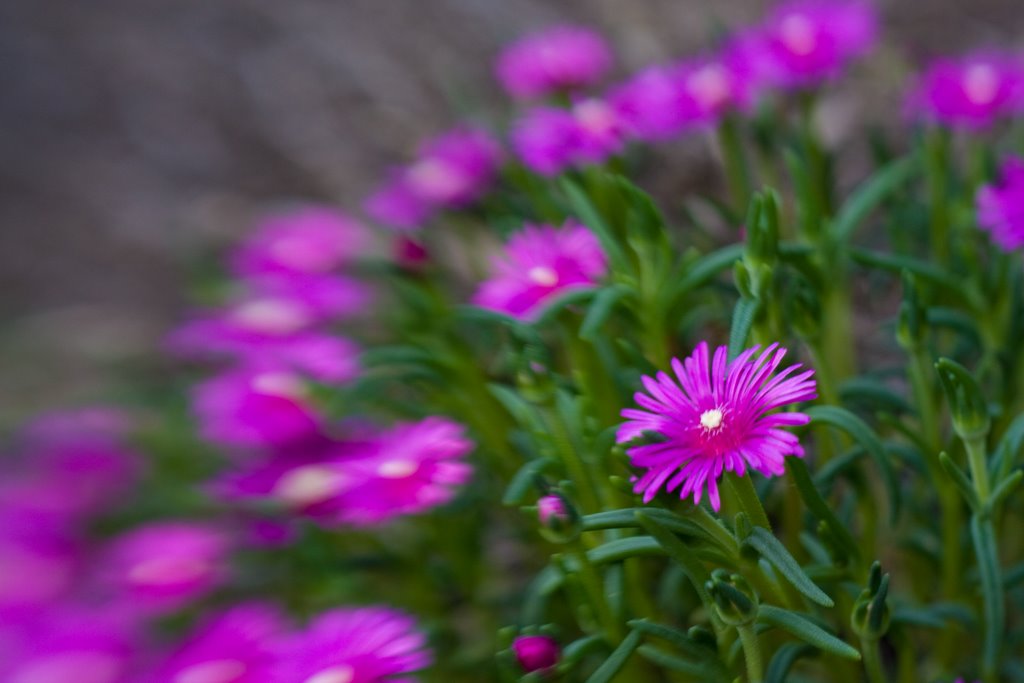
[517, 406]
[813, 499]
[871, 193]
[673, 635]
[627, 519]
[677, 550]
[588, 214]
[960, 479]
[611, 666]
[866, 437]
[873, 394]
[601, 309]
[784, 659]
[772, 550]
[897, 263]
[707, 267]
[522, 481]
[806, 630]
[624, 548]
[706, 670]
[743, 317]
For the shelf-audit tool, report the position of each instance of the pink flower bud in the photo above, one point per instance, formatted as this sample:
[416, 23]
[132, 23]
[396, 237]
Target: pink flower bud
[536, 653]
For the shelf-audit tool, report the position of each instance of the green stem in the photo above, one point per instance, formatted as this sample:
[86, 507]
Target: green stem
[984, 536]
[979, 467]
[737, 171]
[594, 587]
[937, 171]
[751, 653]
[872, 661]
[743, 489]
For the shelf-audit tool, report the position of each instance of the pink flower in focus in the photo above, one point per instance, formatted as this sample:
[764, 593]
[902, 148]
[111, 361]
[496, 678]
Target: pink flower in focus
[358, 645]
[972, 92]
[804, 43]
[557, 58]
[161, 566]
[255, 406]
[312, 239]
[1000, 206]
[235, 646]
[713, 417]
[396, 205]
[536, 653]
[540, 263]
[455, 168]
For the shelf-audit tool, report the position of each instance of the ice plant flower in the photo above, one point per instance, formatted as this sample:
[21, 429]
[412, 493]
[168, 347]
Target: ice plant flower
[310, 239]
[715, 417]
[971, 92]
[255, 406]
[539, 264]
[161, 566]
[536, 653]
[558, 58]
[1000, 206]
[650, 104]
[35, 569]
[360, 645]
[546, 139]
[454, 169]
[395, 205]
[236, 646]
[710, 87]
[804, 43]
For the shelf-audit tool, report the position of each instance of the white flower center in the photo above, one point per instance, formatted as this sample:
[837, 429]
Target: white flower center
[397, 469]
[594, 116]
[710, 85]
[336, 674]
[213, 671]
[308, 484]
[545, 276]
[981, 83]
[278, 384]
[798, 34]
[272, 316]
[711, 420]
[167, 571]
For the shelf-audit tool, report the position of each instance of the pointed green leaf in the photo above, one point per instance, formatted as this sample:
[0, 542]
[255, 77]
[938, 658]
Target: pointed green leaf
[743, 317]
[871, 193]
[806, 630]
[784, 659]
[611, 666]
[600, 309]
[772, 550]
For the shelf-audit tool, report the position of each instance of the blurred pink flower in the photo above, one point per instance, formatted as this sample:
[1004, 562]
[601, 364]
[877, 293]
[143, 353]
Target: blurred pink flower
[540, 263]
[310, 239]
[650, 104]
[455, 168]
[255, 406]
[545, 139]
[803, 43]
[554, 59]
[536, 653]
[357, 645]
[713, 417]
[711, 87]
[237, 645]
[36, 569]
[971, 92]
[1000, 206]
[162, 566]
[394, 204]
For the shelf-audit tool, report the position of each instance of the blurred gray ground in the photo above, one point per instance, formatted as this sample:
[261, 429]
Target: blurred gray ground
[137, 134]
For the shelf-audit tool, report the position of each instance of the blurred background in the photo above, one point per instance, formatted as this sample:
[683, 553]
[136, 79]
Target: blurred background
[141, 134]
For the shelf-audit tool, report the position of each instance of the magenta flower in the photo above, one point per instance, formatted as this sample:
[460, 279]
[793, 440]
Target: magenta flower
[35, 569]
[650, 104]
[395, 204]
[360, 645]
[601, 132]
[536, 653]
[255, 406]
[972, 92]
[558, 58]
[161, 566]
[804, 43]
[1000, 206]
[714, 417]
[546, 139]
[311, 239]
[539, 264]
[710, 87]
[235, 646]
[455, 168]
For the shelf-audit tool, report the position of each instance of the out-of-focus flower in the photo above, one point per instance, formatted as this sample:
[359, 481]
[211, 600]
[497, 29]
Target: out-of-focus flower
[710, 87]
[73, 644]
[540, 263]
[255, 406]
[454, 169]
[161, 566]
[971, 92]
[311, 239]
[1001, 206]
[36, 569]
[362, 645]
[235, 646]
[558, 58]
[536, 653]
[396, 205]
[650, 104]
[600, 130]
[714, 417]
[409, 253]
[804, 43]
[406, 470]
[546, 139]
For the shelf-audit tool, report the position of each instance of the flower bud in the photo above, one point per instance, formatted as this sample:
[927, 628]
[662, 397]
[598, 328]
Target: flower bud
[559, 521]
[910, 330]
[735, 601]
[971, 419]
[871, 613]
[536, 653]
[410, 254]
